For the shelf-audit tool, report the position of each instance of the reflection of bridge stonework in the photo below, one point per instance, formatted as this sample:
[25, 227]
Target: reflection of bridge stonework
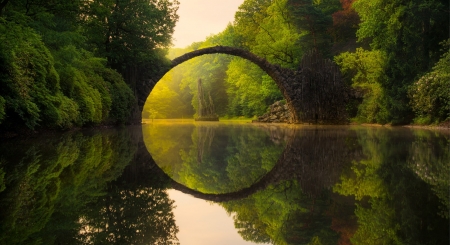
[314, 93]
[313, 159]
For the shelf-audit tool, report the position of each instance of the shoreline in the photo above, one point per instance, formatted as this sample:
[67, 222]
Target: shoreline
[26, 133]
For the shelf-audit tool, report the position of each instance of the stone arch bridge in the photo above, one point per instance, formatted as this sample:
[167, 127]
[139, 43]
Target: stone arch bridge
[314, 92]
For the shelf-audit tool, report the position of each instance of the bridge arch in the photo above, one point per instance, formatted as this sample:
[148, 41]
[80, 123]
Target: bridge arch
[274, 71]
[277, 73]
[314, 93]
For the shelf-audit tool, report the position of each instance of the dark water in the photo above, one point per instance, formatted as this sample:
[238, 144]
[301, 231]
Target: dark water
[219, 183]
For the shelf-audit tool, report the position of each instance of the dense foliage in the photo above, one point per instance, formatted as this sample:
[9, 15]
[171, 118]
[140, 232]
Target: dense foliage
[388, 183]
[77, 63]
[408, 35]
[66, 64]
[64, 190]
[397, 186]
[430, 95]
[213, 158]
[384, 56]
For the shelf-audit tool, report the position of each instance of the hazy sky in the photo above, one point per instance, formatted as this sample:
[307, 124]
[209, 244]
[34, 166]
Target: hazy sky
[201, 18]
[203, 223]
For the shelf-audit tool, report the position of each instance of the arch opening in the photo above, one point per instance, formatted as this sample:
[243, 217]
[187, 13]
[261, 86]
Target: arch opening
[314, 93]
[218, 59]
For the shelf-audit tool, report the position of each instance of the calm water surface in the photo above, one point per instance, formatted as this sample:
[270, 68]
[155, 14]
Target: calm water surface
[227, 183]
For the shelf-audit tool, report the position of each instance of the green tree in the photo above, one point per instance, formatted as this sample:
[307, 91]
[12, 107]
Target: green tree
[132, 35]
[247, 21]
[163, 102]
[78, 89]
[77, 38]
[430, 95]
[211, 69]
[29, 83]
[165, 141]
[429, 160]
[409, 34]
[100, 92]
[366, 69]
[267, 29]
[277, 38]
[392, 203]
[137, 216]
[314, 18]
[250, 90]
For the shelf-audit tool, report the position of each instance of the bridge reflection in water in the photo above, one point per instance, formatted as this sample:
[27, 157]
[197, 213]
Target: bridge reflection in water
[281, 185]
[315, 161]
[331, 178]
[313, 156]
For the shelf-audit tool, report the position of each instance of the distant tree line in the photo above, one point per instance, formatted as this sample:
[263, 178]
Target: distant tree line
[395, 56]
[76, 63]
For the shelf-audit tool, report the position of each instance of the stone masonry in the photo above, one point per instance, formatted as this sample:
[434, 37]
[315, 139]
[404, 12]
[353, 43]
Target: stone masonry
[278, 113]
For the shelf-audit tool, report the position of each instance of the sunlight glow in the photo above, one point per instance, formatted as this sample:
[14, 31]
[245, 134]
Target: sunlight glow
[201, 18]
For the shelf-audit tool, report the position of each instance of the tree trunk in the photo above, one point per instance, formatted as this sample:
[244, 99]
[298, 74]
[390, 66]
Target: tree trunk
[2, 6]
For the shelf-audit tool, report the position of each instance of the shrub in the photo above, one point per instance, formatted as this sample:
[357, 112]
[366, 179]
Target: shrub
[28, 81]
[430, 95]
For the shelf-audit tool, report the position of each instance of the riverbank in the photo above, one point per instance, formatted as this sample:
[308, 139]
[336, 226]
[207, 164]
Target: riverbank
[28, 133]
[46, 132]
[443, 125]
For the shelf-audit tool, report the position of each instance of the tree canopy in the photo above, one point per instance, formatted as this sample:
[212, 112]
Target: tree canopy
[66, 64]
[385, 50]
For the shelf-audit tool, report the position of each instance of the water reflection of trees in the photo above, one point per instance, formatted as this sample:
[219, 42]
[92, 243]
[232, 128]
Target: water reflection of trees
[430, 160]
[371, 165]
[129, 216]
[205, 136]
[294, 208]
[60, 186]
[394, 205]
[213, 158]
[329, 186]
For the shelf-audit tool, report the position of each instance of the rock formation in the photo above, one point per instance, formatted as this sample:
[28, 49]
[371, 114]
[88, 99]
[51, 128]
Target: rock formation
[278, 113]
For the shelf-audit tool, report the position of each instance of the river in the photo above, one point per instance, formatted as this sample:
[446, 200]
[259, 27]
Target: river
[181, 182]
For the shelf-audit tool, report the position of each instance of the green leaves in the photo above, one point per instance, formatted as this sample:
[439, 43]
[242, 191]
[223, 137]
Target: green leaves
[312, 19]
[277, 37]
[51, 184]
[367, 71]
[162, 102]
[398, 184]
[267, 29]
[430, 95]
[250, 90]
[99, 92]
[28, 79]
[54, 62]
[128, 32]
[409, 33]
